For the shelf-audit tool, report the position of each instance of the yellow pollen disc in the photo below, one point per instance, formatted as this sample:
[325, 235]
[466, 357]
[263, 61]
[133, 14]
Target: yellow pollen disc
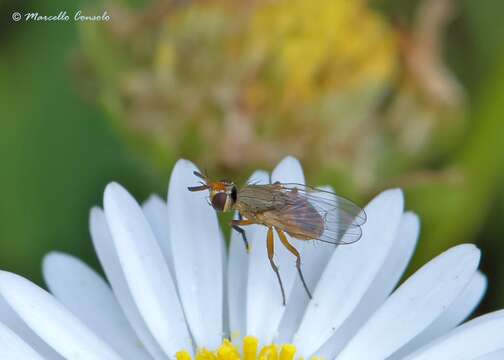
[250, 351]
[183, 355]
[250, 345]
[269, 353]
[288, 351]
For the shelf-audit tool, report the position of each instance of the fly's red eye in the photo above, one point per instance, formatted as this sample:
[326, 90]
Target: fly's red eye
[219, 201]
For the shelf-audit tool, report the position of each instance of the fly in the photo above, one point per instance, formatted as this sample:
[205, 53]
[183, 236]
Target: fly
[303, 212]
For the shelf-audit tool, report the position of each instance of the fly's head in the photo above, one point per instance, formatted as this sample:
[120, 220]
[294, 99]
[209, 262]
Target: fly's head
[223, 194]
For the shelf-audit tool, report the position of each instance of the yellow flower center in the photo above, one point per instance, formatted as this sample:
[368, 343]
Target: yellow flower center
[251, 351]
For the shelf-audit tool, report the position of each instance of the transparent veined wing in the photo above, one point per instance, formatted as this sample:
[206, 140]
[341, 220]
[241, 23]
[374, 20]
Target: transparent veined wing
[341, 218]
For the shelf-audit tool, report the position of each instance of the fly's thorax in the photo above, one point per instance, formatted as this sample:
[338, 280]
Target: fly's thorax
[256, 198]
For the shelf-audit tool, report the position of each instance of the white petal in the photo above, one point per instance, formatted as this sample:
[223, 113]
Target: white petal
[88, 297]
[238, 274]
[156, 212]
[237, 285]
[396, 262]
[225, 297]
[264, 304]
[12, 320]
[350, 273]
[105, 249]
[314, 257]
[475, 339]
[289, 170]
[51, 321]
[145, 270]
[385, 281]
[12, 347]
[494, 355]
[458, 311]
[197, 250]
[415, 304]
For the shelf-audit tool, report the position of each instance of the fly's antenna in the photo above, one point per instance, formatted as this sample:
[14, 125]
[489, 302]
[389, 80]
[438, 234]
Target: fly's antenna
[201, 176]
[198, 188]
[203, 186]
[253, 182]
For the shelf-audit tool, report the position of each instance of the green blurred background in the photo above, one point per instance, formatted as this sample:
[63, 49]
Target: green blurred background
[369, 95]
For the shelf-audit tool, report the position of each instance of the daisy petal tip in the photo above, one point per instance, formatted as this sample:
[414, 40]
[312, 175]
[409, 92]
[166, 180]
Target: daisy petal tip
[183, 161]
[184, 165]
[52, 258]
[394, 197]
[260, 176]
[469, 249]
[182, 176]
[57, 261]
[94, 209]
[154, 200]
[412, 221]
[113, 189]
[51, 255]
[112, 185]
[288, 163]
[94, 214]
[412, 217]
[289, 159]
[478, 252]
[395, 193]
[482, 278]
[117, 199]
[387, 201]
[481, 281]
[469, 252]
[289, 169]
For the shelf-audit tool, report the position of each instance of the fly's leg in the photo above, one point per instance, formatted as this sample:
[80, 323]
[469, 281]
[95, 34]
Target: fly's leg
[235, 224]
[294, 252]
[271, 251]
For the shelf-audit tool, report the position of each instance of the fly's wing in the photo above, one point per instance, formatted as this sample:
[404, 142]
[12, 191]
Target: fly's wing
[309, 206]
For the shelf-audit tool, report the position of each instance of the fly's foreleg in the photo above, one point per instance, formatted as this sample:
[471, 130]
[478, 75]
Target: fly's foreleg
[235, 224]
[271, 252]
[294, 252]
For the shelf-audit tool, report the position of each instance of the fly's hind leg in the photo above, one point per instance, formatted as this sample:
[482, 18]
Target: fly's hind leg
[235, 224]
[294, 252]
[271, 251]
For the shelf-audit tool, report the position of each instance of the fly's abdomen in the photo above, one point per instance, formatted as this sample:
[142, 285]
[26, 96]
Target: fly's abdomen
[298, 218]
[305, 223]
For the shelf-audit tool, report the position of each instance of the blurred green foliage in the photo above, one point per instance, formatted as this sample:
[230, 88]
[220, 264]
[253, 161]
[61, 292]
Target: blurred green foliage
[85, 104]
[57, 152]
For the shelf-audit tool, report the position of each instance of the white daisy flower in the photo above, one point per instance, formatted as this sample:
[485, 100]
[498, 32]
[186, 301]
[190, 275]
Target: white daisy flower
[175, 292]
